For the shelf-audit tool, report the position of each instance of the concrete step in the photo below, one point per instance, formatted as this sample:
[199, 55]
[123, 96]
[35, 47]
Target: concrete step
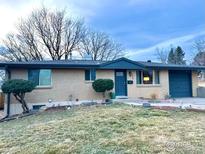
[121, 97]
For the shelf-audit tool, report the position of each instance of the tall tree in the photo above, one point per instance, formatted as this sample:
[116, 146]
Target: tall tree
[179, 56]
[171, 57]
[176, 56]
[99, 46]
[45, 33]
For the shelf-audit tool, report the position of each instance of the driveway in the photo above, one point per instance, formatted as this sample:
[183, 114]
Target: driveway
[196, 103]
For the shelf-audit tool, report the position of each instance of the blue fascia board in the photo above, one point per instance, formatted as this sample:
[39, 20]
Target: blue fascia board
[48, 66]
[122, 63]
[195, 68]
[122, 59]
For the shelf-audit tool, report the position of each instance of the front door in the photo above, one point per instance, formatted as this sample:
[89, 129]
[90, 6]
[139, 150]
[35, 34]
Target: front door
[120, 83]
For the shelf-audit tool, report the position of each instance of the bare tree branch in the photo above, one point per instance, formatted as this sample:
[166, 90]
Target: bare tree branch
[44, 34]
[162, 55]
[100, 47]
[199, 58]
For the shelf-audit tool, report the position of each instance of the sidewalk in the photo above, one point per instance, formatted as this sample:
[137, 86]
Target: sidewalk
[1, 114]
[179, 103]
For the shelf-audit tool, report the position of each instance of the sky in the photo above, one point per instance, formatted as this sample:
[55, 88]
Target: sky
[140, 26]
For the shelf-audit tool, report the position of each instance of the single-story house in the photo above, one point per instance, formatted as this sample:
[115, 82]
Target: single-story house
[59, 81]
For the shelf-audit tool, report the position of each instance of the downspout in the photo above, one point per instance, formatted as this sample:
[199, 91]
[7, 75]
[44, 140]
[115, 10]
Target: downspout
[8, 95]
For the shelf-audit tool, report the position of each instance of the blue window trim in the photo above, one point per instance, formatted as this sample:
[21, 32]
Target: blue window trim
[155, 79]
[33, 75]
[36, 77]
[90, 74]
[87, 75]
[138, 77]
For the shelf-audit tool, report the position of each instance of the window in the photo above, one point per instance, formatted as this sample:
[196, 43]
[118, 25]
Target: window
[90, 75]
[37, 107]
[119, 74]
[156, 74]
[147, 77]
[41, 77]
[139, 77]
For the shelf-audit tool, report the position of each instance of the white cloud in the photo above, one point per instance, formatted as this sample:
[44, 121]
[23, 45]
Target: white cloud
[131, 53]
[11, 11]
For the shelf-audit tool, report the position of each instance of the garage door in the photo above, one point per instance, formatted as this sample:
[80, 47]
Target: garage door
[180, 83]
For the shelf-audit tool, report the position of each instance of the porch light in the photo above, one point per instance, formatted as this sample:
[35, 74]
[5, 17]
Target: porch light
[146, 78]
[130, 74]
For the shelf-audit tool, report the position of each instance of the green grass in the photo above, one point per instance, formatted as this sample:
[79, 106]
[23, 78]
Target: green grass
[115, 128]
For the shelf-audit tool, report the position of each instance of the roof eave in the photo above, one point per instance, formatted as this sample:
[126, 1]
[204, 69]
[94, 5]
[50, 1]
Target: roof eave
[47, 66]
[176, 68]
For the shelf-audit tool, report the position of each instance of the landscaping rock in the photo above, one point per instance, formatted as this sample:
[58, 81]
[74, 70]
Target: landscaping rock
[146, 105]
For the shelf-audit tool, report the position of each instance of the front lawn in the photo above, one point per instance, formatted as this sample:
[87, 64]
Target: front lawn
[105, 129]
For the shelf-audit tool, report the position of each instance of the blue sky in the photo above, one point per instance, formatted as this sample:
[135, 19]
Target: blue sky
[140, 25]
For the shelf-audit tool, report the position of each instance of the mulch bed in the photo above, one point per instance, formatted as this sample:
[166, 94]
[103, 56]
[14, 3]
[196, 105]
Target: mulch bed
[58, 108]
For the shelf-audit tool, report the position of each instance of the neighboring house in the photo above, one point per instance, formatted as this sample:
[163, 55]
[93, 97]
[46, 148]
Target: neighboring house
[59, 81]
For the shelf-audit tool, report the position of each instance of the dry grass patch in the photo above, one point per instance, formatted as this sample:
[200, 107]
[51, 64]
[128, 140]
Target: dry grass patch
[115, 128]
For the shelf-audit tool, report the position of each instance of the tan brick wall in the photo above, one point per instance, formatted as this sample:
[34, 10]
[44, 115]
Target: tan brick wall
[146, 91]
[71, 81]
[194, 83]
[65, 82]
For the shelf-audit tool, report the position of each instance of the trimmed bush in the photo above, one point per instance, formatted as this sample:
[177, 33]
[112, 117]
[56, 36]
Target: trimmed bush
[103, 85]
[18, 88]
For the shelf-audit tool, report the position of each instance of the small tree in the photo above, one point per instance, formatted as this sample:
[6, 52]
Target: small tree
[180, 54]
[103, 85]
[19, 88]
[171, 57]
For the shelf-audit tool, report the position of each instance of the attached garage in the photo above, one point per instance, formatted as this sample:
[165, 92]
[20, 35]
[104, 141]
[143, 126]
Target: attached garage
[180, 83]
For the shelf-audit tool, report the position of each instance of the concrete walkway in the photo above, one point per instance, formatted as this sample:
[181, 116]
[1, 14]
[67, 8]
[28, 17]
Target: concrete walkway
[1, 114]
[195, 103]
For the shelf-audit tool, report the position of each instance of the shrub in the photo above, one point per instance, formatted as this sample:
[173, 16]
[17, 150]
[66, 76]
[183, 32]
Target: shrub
[153, 96]
[103, 85]
[18, 88]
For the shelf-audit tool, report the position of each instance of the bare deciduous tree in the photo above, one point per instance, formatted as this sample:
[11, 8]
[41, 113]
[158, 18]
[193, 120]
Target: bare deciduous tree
[43, 34]
[162, 55]
[99, 46]
[199, 58]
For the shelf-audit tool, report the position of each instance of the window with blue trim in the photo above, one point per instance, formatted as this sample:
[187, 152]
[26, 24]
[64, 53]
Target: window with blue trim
[138, 77]
[90, 75]
[41, 77]
[157, 81]
[148, 77]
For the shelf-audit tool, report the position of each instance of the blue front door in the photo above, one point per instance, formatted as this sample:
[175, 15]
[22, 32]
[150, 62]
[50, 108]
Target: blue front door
[120, 83]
